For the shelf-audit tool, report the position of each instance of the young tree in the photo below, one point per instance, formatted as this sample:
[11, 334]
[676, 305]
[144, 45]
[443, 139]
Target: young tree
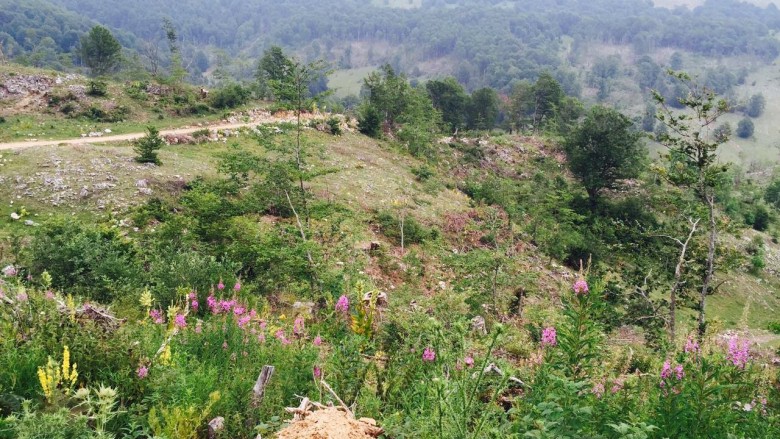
[100, 51]
[756, 105]
[273, 66]
[603, 150]
[147, 146]
[178, 72]
[694, 148]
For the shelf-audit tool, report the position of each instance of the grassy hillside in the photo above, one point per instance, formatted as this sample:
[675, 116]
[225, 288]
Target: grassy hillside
[174, 284]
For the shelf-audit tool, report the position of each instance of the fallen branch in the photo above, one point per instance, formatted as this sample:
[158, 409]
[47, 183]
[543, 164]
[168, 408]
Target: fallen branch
[333, 393]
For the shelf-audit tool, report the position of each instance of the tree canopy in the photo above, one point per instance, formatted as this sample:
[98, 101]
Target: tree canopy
[100, 51]
[604, 149]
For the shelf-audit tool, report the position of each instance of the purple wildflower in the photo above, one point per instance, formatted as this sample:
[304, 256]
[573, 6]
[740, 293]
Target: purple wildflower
[617, 385]
[666, 370]
[194, 305]
[549, 337]
[317, 372]
[226, 305]
[679, 371]
[220, 285]
[9, 271]
[317, 341]
[49, 295]
[738, 352]
[156, 316]
[22, 297]
[237, 286]
[580, 287]
[429, 354]
[180, 321]
[142, 372]
[242, 322]
[691, 346]
[298, 326]
[192, 295]
[343, 304]
[212, 303]
[280, 335]
[238, 310]
[469, 360]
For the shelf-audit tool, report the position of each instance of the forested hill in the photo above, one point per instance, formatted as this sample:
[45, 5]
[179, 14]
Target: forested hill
[483, 42]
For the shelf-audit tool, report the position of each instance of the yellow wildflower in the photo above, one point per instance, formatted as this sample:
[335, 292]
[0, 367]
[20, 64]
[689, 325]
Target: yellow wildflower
[165, 356]
[66, 362]
[71, 304]
[146, 299]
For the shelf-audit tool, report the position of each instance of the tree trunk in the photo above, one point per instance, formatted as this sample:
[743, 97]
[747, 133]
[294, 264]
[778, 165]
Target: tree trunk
[709, 198]
[678, 281]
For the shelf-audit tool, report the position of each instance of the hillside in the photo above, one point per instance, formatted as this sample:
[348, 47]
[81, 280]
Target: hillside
[373, 272]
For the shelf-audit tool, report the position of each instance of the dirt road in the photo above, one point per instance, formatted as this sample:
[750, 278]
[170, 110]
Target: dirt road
[118, 137]
[257, 117]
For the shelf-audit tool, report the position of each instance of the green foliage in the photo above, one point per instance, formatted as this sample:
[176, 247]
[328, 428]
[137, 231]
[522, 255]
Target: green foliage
[334, 124]
[413, 231]
[95, 261]
[147, 146]
[100, 51]
[482, 110]
[603, 150]
[369, 121]
[449, 98]
[97, 88]
[230, 96]
[57, 425]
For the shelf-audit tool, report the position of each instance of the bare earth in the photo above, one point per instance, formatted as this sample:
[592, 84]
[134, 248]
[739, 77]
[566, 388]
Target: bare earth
[260, 118]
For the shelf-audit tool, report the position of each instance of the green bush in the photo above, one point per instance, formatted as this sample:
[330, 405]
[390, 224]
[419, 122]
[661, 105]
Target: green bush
[97, 88]
[414, 232]
[230, 96]
[92, 260]
[147, 146]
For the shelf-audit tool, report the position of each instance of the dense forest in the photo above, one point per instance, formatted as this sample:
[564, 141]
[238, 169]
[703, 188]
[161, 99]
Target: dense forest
[486, 43]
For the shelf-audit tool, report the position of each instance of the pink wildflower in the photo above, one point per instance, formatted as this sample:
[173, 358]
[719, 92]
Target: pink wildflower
[666, 370]
[617, 385]
[679, 371]
[261, 337]
[192, 295]
[194, 305]
[598, 390]
[22, 297]
[263, 324]
[142, 372]
[469, 360]
[691, 346]
[237, 286]
[220, 285]
[298, 326]
[199, 327]
[317, 372]
[211, 301]
[239, 310]
[180, 321]
[429, 354]
[226, 305]
[580, 287]
[9, 271]
[49, 295]
[343, 304]
[549, 337]
[738, 352]
[242, 322]
[280, 335]
[156, 316]
[317, 341]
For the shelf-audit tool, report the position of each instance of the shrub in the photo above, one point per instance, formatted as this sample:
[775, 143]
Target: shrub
[93, 260]
[370, 122]
[97, 88]
[745, 128]
[147, 146]
[230, 96]
[334, 123]
[414, 232]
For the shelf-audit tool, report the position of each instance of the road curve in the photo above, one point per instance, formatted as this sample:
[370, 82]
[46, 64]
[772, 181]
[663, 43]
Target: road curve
[119, 137]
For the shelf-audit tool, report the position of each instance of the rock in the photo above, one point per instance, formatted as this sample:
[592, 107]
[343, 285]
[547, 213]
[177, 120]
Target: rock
[145, 191]
[303, 307]
[107, 130]
[84, 192]
[15, 216]
[478, 325]
[30, 223]
[141, 183]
